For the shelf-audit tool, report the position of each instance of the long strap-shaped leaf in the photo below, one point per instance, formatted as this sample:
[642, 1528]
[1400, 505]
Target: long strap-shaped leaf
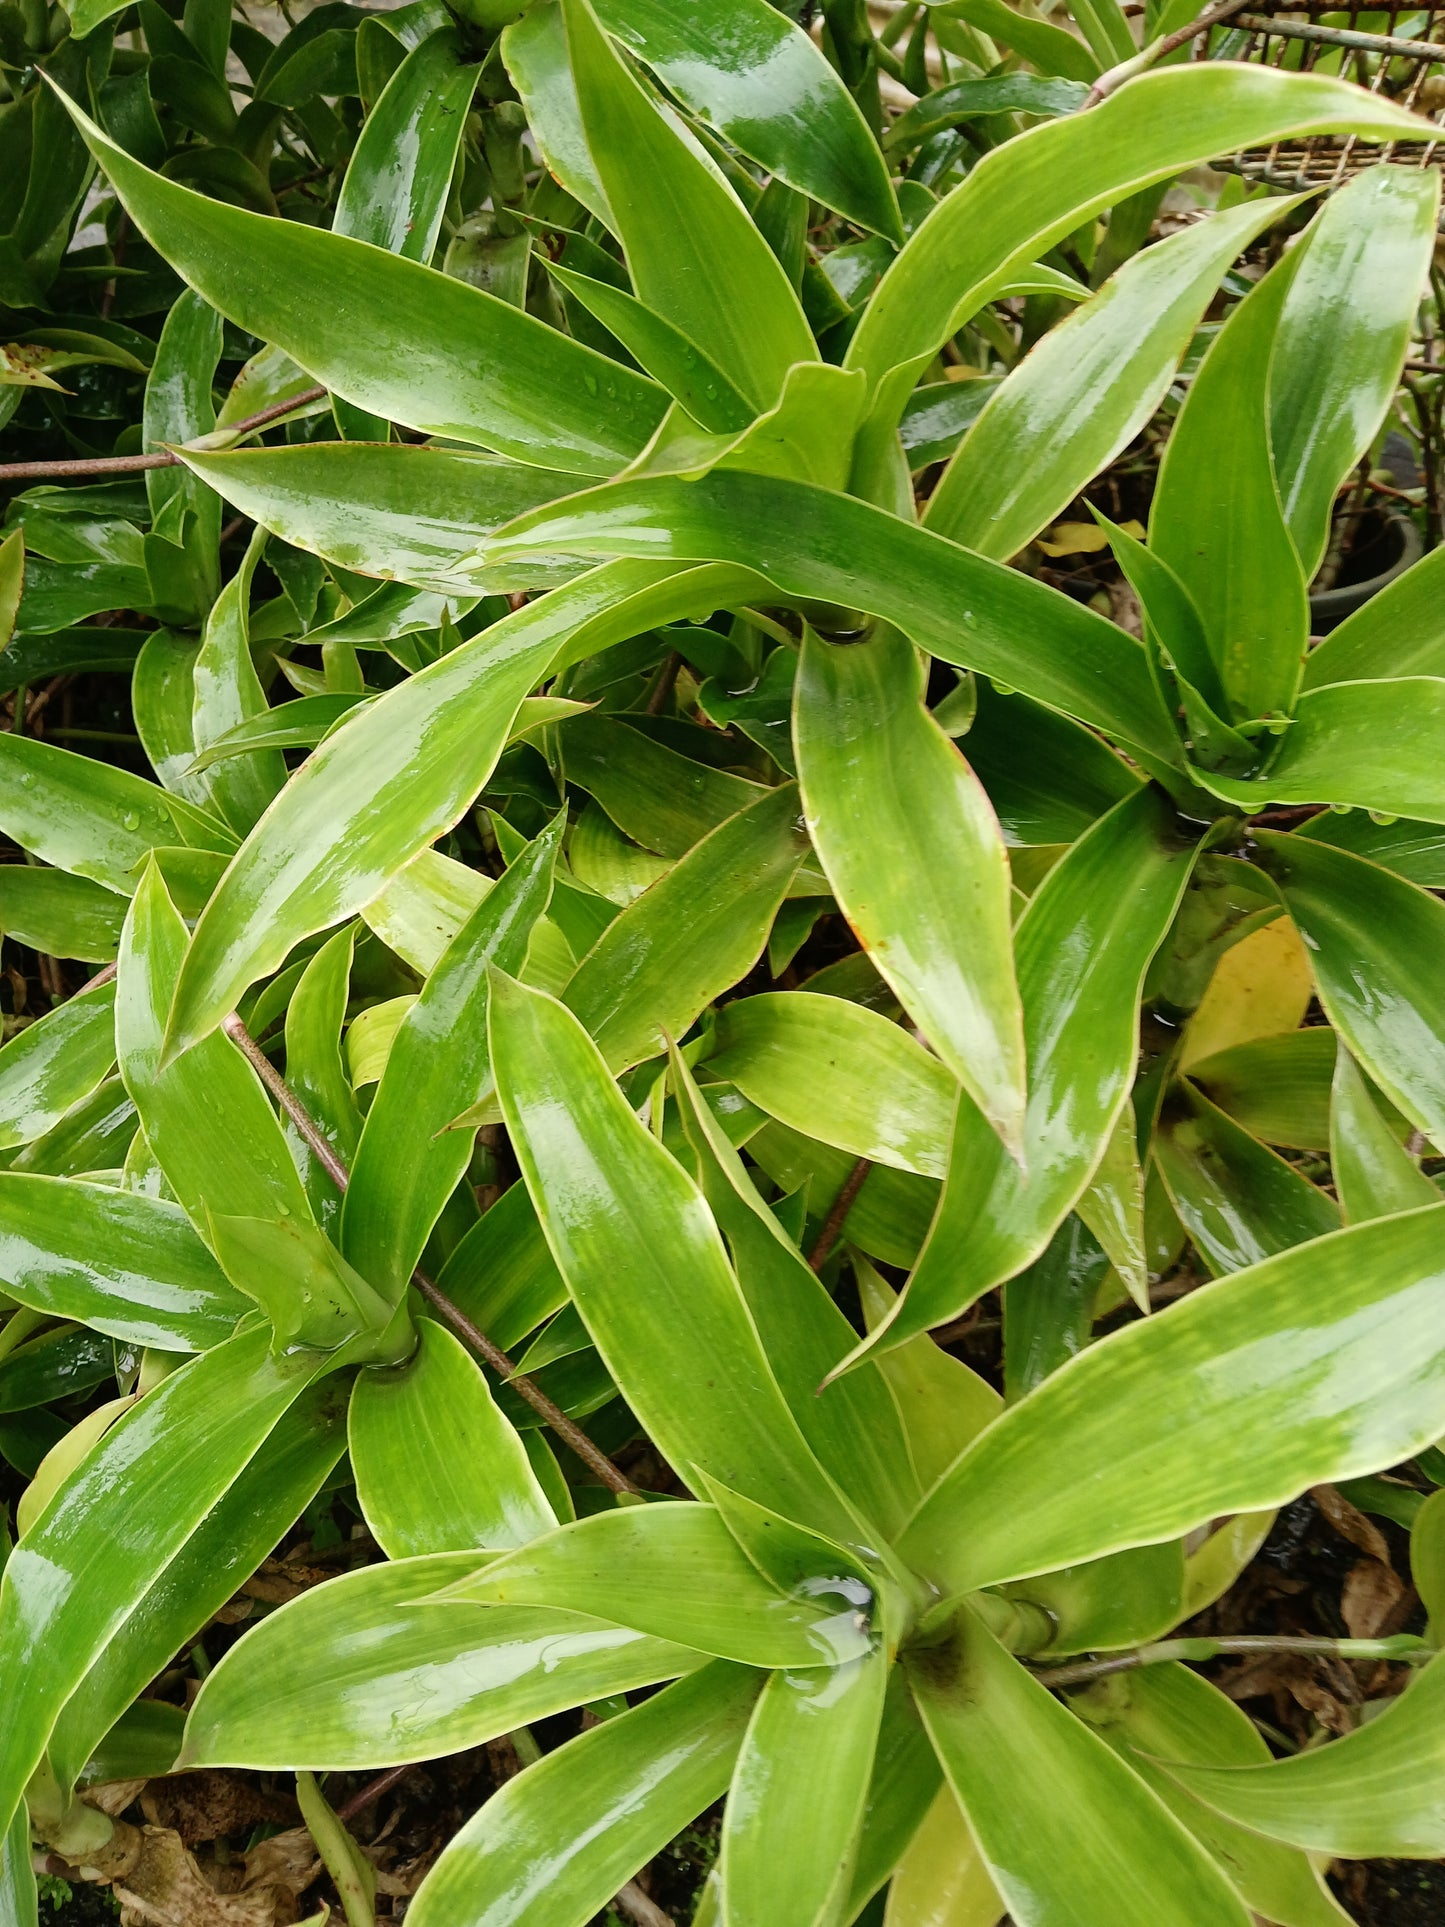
[1375, 1792]
[1325, 1361]
[693, 251]
[1086, 390]
[646, 1267]
[1217, 520]
[796, 1803]
[55, 1062]
[1083, 945]
[95, 1551]
[408, 1164]
[1072, 1837]
[404, 1678]
[409, 513]
[556, 1843]
[1343, 336]
[1374, 1174]
[1399, 632]
[815, 544]
[916, 859]
[1033, 190]
[401, 773]
[403, 341]
[1373, 942]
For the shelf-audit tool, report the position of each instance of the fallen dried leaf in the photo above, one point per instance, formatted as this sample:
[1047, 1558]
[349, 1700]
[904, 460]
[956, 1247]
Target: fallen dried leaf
[1371, 1594]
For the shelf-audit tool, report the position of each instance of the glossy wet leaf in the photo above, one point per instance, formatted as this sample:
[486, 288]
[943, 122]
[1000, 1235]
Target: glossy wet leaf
[408, 1163]
[1083, 946]
[966, 610]
[1399, 632]
[1124, 1599]
[841, 1073]
[750, 72]
[52, 1064]
[1069, 1834]
[798, 1793]
[1375, 1792]
[60, 915]
[316, 1074]
[438, 1468]
[1086, 390]
[404, 1678]
[396, 777]
[269, 1494]
[694, 933]
[1373, 1172]
[128, 1265]
[395, 190]
[916, 860]
[555, 403]
[1217, 518]
[1238, 1201]
[645, 1265]
[408, 513]
[1367, 932]
[1316, 1364]
[1167, 1713]
[91, 818]
[942, 1881]
[244, 1171]
[625, 1789]
[71, 1584]
[1342, 337]
[1277, 1087]
[672, 1570]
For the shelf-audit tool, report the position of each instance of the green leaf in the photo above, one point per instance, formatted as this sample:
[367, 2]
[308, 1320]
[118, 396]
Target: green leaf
[942, 1880]
[1218, 521]
[890, 1216]
[1343, 336]
[1048, 1309]
[1399, 632]
[228, 693]
[554, 1845]
[91, 818]
[1047, 778]
[645, 1265]
[502, 1274]
[396, 186]
[675, 1571]
[657, 796]
[178, 408]
[964, 609]
[747, 69]
[965, 100]
[368, 1670]
[798, 1794]
[408, 1162]
[240, 1170]
[1083, 946]
[693, 253]
[296, 725]
[75, 1578]
[1087, 389]
[1124, 1599]
[687, 374]
[315, 1017]
[246, 1523]
[305, 1287]
[1239, 1202]
[851, 1424]
[123, 1264]
[60, 915]
[1371, 744]
[698, 930]
[398, 775]
[438, 1468]
[1369, 934]
[18, 1898]
[1375, 1792]
[1032, 191]
[906, 1776]
[1170, 1713]
[53, 1063]
[420, 347]
[1278, 1088]
[1317, 1364]
[411, 514]
[1374, 1174]
[1071, 1837]
[841, 1073]
[916, 860]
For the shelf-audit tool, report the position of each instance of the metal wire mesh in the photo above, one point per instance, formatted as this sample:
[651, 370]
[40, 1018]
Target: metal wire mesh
[1397, 51]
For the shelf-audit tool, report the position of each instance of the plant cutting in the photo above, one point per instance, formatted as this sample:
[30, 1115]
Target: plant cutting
[628, 615]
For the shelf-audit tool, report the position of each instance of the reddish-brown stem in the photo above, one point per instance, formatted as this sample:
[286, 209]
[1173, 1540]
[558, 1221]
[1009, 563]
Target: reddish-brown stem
[131, 464]
[370, 1793]
[836, 1218]
[552, 1415]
